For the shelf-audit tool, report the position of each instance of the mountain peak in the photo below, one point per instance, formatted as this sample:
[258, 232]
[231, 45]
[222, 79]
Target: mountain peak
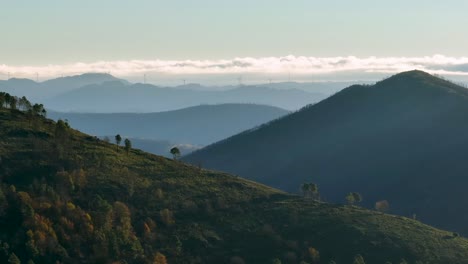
[85, 78]
[420, 82]
[416, 75]
[409, 76]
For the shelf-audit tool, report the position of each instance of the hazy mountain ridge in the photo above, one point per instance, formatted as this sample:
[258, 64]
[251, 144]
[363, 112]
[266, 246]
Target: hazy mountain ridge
[38, 91]
[98, 92]
[117, 97]
[403, 140]
[198, 125]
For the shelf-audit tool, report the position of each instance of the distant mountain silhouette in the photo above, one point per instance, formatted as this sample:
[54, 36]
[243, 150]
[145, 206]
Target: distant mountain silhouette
[404, 139]
[118, 97]
[38, 91]
[198, 125]
[323, 87]
[99, 92]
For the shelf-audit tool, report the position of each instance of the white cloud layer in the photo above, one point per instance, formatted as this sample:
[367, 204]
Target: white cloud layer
[439, 64]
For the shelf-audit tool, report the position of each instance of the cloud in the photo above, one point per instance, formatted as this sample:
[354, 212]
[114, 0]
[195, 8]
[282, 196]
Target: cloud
[439, 64]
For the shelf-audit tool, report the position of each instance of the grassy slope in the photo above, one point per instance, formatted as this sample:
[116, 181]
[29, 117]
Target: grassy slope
[217, 216]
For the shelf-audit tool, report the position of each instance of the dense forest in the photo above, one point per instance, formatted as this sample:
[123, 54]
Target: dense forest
[67, 197]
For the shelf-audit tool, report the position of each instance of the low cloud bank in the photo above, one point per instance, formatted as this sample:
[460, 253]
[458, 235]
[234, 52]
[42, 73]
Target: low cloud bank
[296, 65]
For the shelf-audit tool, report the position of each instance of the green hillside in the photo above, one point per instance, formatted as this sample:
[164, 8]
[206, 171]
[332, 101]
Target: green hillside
[68, 197]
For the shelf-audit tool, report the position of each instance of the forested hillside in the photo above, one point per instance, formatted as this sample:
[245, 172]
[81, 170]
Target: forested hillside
[67, 197]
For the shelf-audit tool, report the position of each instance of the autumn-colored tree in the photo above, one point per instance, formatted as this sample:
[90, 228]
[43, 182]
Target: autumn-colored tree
[122, 218]
[382, 206]
[314, 255]
[167, 217]
[159, 258]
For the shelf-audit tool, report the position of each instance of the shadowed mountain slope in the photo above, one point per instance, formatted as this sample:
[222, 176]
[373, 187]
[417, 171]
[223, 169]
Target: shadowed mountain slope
[404, 139]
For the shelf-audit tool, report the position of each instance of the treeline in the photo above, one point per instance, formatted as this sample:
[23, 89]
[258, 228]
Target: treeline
[22, 104]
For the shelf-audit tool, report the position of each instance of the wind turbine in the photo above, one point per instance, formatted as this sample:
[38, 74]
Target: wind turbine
[239, 79]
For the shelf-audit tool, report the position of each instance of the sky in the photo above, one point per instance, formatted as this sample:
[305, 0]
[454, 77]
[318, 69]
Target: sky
[218, 37]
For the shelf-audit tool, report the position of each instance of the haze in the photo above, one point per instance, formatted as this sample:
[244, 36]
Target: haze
[215, 42]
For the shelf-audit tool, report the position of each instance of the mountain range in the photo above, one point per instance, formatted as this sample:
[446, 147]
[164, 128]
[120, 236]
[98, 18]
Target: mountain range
[119, 97]
[403, 140]
[39, 91]
[96, 92]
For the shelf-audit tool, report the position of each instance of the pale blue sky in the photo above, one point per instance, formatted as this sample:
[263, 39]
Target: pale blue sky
[38, 32]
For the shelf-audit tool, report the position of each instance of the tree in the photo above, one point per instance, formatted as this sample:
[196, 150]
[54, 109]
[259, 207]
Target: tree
[13, 259]
[128, 145]
[2, 99]
[7, 99]
[382, 206]
[175, 152]
[310, 190]
[350, 198]
[353, 197]
[314, 255]
[24, 104]
[159, 258]
[357, 197]
[118, 139]
[313, 189]
[38, 109]
[358, 259]
[13, 102]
